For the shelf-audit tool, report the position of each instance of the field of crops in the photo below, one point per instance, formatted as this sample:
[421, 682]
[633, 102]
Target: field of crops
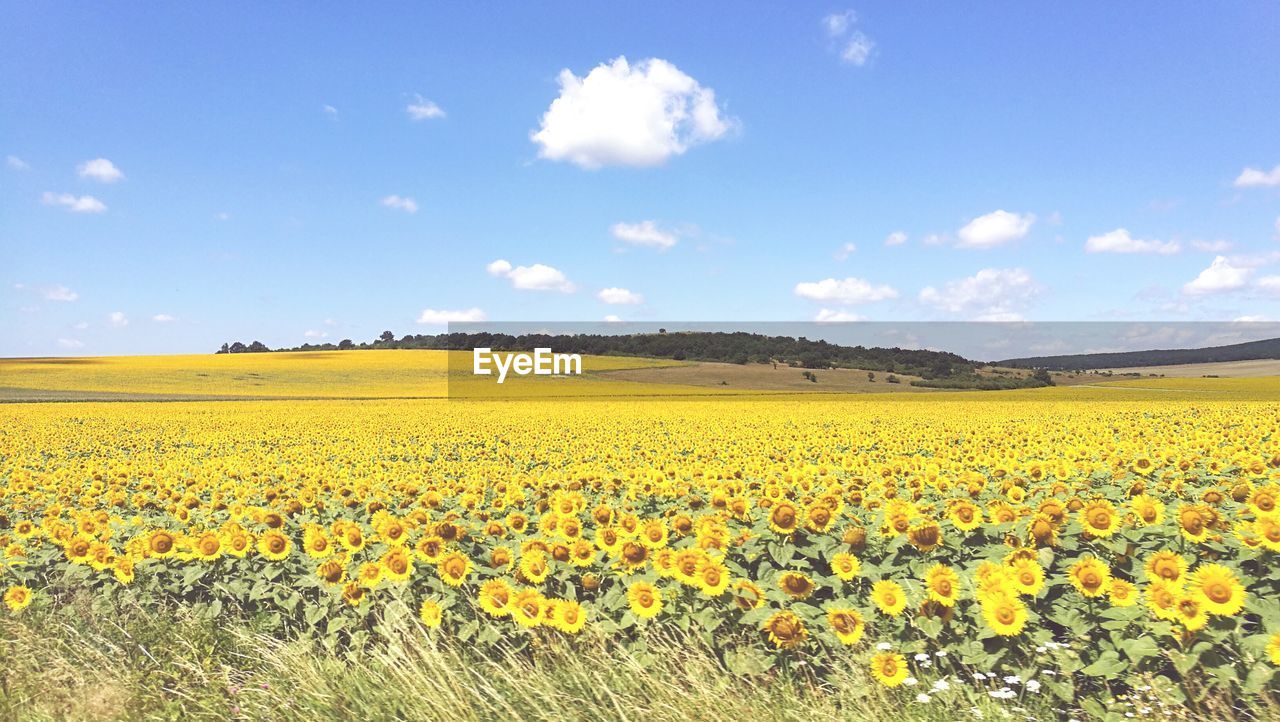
[1079, 544]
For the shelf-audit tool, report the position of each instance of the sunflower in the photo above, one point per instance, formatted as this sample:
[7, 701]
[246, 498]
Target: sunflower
[925, 535]
[633, 556]
[1273, 649]
[316, 543]
[1005, 614]
[713, 578]
[685, 565]
[495, 598]
[353, 593]
[942, 584]
[566, 615]
[889, 668]
[1191, 613]
[818, 518]
[747, 595]
[582, 553]
[1162, 599]
[332, 571]
[846, 623]
[526, 607]
[454, 568]
[1027, 576]
[845, 566]
[1090, 577]
[1268, 530]
[430, 614]
[797, 586]
[397, 564]
[17, 598]
[1122, 593]
[785, 630]
[889, 597]
[1042, 530]
[1099, 518]
[207, 547]
[430, 548]
[784, 517]
[1264, 499]
[1148, 510]
[123, 569]
[1192, 522]
[274, 546]
[1166, 565]
[1218, 589]
[161, 544]
[644, 599]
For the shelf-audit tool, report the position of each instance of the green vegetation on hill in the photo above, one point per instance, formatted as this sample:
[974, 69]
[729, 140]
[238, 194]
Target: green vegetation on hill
[1250, 351]
[936, 368]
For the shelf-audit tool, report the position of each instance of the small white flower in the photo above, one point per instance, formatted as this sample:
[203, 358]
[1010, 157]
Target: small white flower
[923, 698]
[941, 685]
[1033, 685]
[1049, 672]
[1042, 649]
[884, 646]
[979, 676]
[940, 653]
[910, 681]
[1013, 679]
[975, 712]
[922, 657]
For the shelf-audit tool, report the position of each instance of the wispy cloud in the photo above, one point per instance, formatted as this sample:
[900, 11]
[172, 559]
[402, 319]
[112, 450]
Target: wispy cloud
[400, 203]
[423, 109]
[74, 204]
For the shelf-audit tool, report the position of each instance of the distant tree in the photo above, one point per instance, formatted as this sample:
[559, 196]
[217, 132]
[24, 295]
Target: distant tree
[871, 376]
[346, 344]
[1042, 375]
[237, 347]
[226, 348]
[893, 379]
[810, 376]
[662, 330]
[258, 347]
[387, 337]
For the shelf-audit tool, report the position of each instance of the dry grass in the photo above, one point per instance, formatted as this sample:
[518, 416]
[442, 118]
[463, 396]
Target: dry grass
[1226, 369]
[766, 377]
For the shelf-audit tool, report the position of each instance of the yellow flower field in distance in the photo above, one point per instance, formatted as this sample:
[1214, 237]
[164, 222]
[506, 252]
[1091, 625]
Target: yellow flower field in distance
[1123, 537]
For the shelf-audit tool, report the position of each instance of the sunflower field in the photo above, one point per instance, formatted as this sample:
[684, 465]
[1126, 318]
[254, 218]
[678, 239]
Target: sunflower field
[1085, 548]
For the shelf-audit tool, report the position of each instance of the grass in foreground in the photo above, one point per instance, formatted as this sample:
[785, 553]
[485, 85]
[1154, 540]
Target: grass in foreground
[93, 662]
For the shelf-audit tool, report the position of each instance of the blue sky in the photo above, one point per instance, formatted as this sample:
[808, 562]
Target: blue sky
[175, 176]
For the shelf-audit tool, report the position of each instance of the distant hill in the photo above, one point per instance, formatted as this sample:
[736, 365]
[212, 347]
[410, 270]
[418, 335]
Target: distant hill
[935, 368]
[1250, 351]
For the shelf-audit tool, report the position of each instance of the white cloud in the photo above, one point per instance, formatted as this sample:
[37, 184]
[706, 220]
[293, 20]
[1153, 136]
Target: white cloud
[1252, 319]
[315, 334]
[118, 319]
[222, 216]
[854, 46]
[620, 114]
[1220, 276]
[992, 294]
[164, 318]
[100, 169]
[1214, 246]
[994, 229]
[16, 163]
[1119, 241]
[845, 251]
[405, 203]
[846, 291]
[436, 317]
[827, 315]
[1278, 227]
[58, 293]
[329, 110]
[70, 343]
[897, 238]
[423, 109]
[1255, 178]
[80, 326]
[75, 204]
[1269, 284]
[611, 318]
[620, 297]
[538, 277]
[644, 233]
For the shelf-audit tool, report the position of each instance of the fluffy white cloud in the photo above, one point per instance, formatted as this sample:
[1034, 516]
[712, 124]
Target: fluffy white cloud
[316, 334]
[1257, 178]
[631, 115]
[827, 315]
[644, 233]
[16, 163]
[620, 297]
[100, 169]
[164, 318]
[329, 110]
[1251, 319]
[994, 229]
[75, 204]
[897, 238]
[1119, 241]
[992, 294]
[70, 343]
[400, 203]
[58, 293]
[1215, 246]
[423, 109]
[538, 277]
[436, 317]
[845, 251]
[854, 46]
[611, 318]
[846, 291]
[118, 319]
[1269, 284]
[1221, 275]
